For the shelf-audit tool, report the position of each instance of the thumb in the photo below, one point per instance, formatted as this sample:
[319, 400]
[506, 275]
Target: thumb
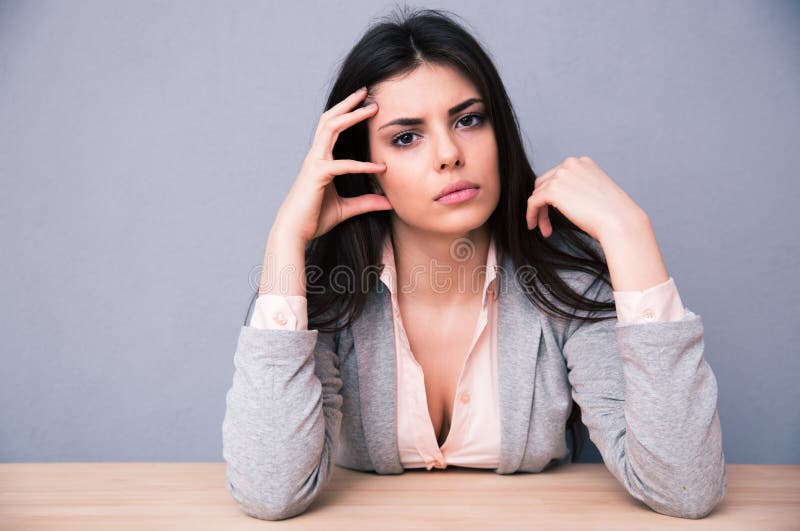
[353, 206]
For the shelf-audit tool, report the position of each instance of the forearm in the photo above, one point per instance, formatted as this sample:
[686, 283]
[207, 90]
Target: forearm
[649, 398]
[283, 268]
[632, 253]
[282, 420]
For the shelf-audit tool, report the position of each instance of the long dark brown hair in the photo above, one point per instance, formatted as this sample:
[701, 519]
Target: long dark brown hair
[395, 45]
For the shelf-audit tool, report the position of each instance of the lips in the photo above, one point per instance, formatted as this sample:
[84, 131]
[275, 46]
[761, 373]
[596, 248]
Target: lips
[455, 186]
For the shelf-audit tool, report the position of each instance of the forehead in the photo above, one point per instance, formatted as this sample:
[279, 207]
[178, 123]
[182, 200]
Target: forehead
[428, 86]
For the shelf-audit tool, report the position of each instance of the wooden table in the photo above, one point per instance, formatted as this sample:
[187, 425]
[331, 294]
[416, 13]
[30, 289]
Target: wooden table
[146, 496]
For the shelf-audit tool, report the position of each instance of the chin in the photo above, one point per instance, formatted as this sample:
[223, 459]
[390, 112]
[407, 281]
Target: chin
[464, 221]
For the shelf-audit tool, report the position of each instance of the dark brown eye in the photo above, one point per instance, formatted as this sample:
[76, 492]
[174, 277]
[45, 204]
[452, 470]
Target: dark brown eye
[398, 142]
[402, 140]
[475, 116]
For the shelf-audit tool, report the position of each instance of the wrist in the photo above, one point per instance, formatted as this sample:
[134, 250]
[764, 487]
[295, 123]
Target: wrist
[283, 236]
[631, 225]
[283, 269]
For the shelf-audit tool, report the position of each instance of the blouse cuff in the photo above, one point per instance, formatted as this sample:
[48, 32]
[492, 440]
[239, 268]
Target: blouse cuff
[660, 303]
[280, 312]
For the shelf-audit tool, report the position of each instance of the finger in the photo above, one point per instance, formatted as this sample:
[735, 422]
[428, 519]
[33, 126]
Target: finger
[345, 166]
[544, 222]
[324, 127]
[541, 179]
[346, 104]
[353, 206]
[532, 217]
[329, 132]
[536, 201]
[532, 213]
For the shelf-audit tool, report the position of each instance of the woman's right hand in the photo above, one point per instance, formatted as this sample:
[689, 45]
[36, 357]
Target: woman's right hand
[312, 206]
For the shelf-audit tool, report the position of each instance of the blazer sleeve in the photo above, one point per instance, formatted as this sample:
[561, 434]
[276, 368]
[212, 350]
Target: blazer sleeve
[649, 400]
[282, 420]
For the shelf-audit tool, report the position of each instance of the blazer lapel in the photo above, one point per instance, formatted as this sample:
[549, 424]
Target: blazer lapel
[373, 336]
[518, 336]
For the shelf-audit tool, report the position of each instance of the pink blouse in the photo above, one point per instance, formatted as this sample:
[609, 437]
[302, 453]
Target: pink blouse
[474, 437]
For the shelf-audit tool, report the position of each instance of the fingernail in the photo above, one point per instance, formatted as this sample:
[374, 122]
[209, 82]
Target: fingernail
[362, 89]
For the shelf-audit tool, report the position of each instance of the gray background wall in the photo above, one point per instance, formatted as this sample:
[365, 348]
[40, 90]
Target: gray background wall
[146, 147]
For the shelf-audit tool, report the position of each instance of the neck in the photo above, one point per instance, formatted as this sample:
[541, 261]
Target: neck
[440, 269]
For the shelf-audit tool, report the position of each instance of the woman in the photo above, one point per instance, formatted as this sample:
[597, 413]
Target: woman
[411, 315]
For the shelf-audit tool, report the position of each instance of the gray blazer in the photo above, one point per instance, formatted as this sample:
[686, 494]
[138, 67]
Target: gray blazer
[648, 397]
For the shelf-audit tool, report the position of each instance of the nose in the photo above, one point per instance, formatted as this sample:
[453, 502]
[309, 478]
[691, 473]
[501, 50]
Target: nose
[449, 154]
[449, 162]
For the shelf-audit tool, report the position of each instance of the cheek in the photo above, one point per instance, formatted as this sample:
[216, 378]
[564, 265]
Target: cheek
[404, 176]
[399, 188]
[408, 198]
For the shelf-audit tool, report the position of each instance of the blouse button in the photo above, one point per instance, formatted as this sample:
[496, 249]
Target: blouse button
[648, 314]
[465, 398]
[280, 318]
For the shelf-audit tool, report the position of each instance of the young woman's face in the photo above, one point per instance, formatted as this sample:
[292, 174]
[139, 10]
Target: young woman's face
[443, 147]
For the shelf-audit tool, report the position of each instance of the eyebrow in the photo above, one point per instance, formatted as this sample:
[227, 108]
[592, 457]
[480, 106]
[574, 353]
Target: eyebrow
[417, 121]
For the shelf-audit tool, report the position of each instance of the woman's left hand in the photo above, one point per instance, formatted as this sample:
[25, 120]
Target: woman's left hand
[585, 194]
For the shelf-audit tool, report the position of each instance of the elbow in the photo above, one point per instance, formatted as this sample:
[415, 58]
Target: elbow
[268, 492]
[706, 505]
[689, 491]
[269, 511]
[697, 509]
[698, 504]
[265, 506]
